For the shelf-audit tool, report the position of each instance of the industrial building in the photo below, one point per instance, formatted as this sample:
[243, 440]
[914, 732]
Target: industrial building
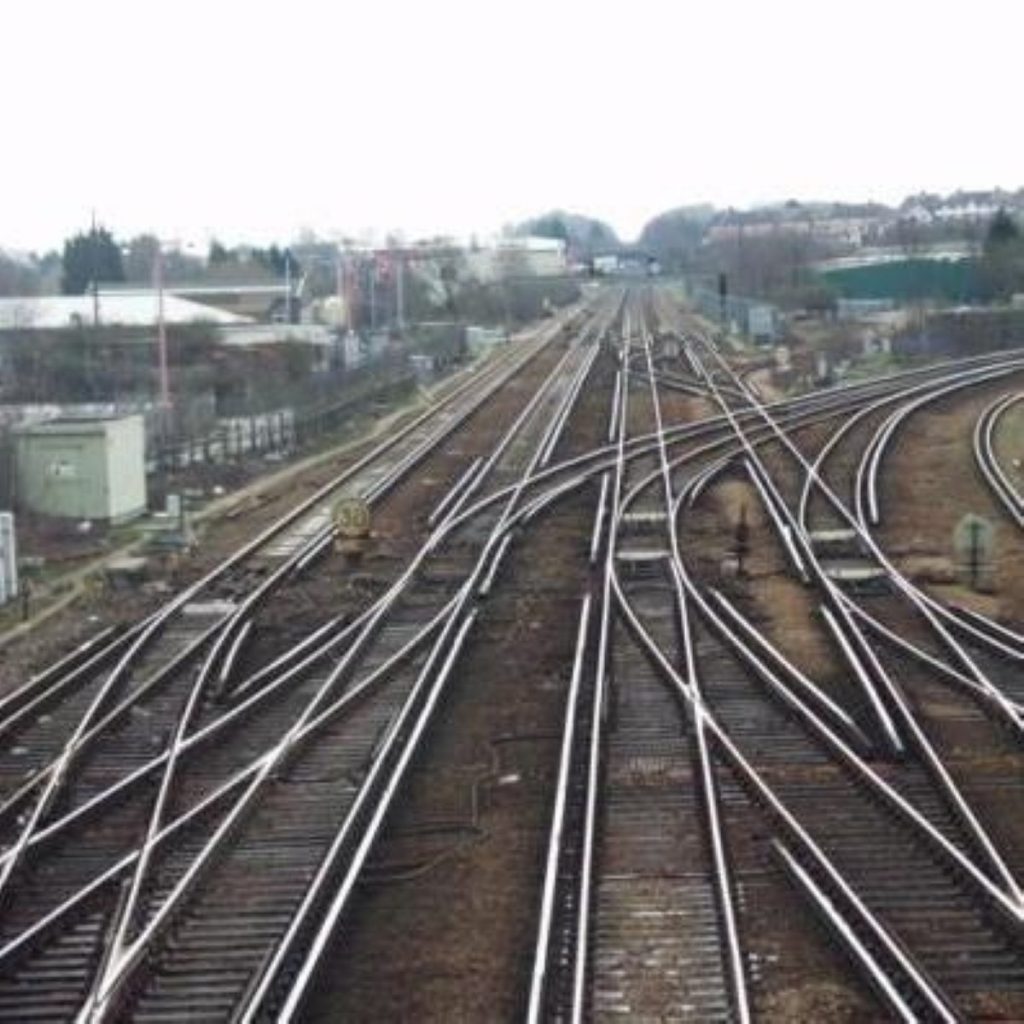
[92, 468]
[518, 257]
[122, 308]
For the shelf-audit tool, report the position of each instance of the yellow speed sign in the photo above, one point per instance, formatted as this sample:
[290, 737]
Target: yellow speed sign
[352, 518]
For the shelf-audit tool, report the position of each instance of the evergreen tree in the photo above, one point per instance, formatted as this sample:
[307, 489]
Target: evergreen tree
[90, 257]
[1002, 263]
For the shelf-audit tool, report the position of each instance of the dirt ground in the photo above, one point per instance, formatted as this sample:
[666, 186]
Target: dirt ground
[444, 930]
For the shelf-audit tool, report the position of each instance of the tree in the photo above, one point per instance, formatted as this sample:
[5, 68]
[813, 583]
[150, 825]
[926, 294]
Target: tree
[275, 260]
[551, 226]
[140, 258]
[18, 276]
[90, 258]
[219, 254]
[675, 237]
[1002, 230]
[1002, 261]
[583, 235]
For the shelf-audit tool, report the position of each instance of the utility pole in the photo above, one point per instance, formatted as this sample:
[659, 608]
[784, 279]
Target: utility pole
[339, 282]
[288, 285]
[95, 273]
[400, 292]
[161, 329]
[373, 293]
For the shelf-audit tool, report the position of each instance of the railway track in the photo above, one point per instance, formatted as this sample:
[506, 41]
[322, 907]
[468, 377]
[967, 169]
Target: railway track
[185, 842]
[158, 879]
[937, 948]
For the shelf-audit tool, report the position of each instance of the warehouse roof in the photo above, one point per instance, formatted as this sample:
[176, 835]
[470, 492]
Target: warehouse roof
[123, 308]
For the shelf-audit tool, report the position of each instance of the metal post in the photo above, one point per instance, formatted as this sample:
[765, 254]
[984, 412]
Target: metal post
[339, 275]
[348, 294]
[400, 291]
[95, 274]
[288, 285]
[373, 294]
[161, 330]
[975, 553]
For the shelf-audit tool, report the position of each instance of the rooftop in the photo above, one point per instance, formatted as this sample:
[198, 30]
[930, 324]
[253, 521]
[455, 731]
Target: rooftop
[121, 308]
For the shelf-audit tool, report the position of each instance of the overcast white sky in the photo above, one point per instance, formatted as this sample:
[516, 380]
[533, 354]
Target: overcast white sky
[252, 120]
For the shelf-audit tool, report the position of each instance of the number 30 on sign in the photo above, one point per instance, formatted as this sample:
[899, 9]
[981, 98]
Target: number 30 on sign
[352, 518]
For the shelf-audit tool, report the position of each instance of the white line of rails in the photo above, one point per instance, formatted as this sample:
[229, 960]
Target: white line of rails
[596, 462]
[53, 685]
[544, 486]
[225, 631]
[236, 795]
[988, 462]
[964, 867]
[941, 618]
[1006, 900]
[880, 684]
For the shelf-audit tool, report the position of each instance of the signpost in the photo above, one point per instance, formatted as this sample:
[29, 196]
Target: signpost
[351, 518]
[974, 549]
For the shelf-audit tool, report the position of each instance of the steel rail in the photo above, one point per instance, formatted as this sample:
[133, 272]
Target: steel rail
[853, 645]
[837, 923]
[945, 782]
[985, 457]
[543, 952]
[309, 660]
[924, 989]
[722, 874]
[1005, 642]
[325, 932]
[55, 777]
[590, 755]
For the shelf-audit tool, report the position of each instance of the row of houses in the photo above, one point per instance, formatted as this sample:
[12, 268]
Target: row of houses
[851, 226]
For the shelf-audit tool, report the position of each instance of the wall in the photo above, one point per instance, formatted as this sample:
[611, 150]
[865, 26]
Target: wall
[126, 467]
[94, 469]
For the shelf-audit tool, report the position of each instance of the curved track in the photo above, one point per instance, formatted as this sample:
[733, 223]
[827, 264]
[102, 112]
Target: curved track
[186, 842]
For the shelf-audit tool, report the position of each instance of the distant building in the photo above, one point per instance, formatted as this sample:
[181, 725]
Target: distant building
[846, 231]
[91, 468]
[518, 257]
[478, 338]
[265, 301]
[122, 308]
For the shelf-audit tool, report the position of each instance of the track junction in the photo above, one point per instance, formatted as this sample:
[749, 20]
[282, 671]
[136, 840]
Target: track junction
[190, 830]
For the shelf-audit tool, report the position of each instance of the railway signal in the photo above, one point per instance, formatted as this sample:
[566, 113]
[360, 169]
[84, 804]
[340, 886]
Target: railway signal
[973, 547]
[741, 547]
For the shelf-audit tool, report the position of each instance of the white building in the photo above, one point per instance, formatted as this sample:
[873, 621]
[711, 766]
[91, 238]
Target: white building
[114, 308]
[82, 468]
[518, 257]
